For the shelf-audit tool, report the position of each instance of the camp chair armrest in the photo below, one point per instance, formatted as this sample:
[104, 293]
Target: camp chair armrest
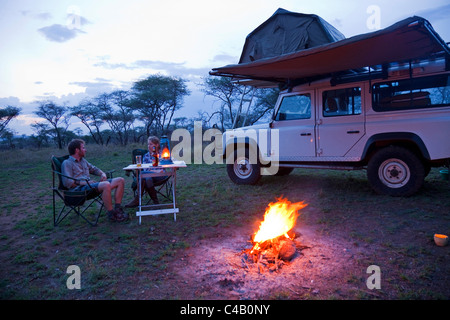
[109, 173]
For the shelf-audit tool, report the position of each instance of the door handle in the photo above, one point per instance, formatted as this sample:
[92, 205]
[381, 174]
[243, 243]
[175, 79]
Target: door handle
[353, 131]
[304, 134]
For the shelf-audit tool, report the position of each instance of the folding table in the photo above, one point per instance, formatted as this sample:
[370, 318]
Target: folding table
[143, 172]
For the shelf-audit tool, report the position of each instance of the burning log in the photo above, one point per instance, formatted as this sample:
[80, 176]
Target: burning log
[272, 245]
[287, 250]
[278, 248]
[272, 254]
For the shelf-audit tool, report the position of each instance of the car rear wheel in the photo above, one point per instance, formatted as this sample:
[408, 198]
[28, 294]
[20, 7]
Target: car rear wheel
[395, 171]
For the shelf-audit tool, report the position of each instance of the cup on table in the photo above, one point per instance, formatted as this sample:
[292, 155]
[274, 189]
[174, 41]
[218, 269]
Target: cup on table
[139, 161]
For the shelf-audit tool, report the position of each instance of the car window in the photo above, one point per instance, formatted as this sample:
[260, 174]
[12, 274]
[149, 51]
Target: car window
[341, 102]
[294, 107]
[424, 92]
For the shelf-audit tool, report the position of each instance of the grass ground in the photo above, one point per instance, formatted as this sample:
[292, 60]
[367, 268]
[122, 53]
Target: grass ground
[354, 226]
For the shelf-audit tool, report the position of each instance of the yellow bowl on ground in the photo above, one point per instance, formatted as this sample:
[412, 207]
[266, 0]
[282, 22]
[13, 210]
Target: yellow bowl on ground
[441, 239]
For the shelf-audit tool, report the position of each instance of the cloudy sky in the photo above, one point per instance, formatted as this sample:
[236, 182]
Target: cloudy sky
[68, 50]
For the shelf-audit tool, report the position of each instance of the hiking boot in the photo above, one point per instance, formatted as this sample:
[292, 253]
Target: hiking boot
[119, 216]
[124, 214]
[115, 216]
[111, 215]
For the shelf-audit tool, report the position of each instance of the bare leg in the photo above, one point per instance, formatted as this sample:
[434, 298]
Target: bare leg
[119, 185]
[105, 188]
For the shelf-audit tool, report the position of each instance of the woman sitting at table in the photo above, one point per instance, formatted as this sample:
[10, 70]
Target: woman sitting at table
[148, 183]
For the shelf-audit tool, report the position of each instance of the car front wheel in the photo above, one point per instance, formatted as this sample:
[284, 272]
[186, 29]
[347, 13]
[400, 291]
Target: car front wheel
[242, 171]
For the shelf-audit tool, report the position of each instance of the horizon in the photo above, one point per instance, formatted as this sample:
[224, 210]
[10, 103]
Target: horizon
[66, 51]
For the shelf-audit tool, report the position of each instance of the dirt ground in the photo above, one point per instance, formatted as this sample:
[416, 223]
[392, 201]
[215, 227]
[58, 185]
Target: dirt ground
[329, 264]
[340, 240]
[225, 272]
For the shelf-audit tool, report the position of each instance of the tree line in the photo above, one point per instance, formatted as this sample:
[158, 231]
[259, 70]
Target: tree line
[130, 116]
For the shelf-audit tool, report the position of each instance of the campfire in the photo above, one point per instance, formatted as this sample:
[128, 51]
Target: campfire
[273, 243]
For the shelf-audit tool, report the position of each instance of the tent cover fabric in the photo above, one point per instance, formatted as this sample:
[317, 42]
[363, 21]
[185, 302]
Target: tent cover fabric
[286, 32]
[410, 39]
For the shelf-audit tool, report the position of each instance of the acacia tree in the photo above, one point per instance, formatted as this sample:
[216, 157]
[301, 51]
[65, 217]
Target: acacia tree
[117, 112]
[6, 115]
[112, 109]
[121, 119]
[176, 91]
[56, 116]
[90, 116]
[41, 137]
[264, 104]
[230, 93]
[155, 99]
[226, 92]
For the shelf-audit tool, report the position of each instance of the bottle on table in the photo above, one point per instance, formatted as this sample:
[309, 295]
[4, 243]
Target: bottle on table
[155, 161]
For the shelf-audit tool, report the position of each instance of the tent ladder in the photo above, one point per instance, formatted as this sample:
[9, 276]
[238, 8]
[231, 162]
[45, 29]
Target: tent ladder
[241, 116]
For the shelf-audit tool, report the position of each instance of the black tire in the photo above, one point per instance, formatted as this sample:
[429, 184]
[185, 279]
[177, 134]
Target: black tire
[242, 171]
[395, 171]
[427, 169]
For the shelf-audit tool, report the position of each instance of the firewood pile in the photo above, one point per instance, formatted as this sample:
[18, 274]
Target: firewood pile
[272, 254]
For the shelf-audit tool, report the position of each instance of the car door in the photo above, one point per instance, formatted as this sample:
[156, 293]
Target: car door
[340, 122]
[295, 122]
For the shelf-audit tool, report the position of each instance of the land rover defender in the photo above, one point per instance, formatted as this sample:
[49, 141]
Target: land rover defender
[397, 128]
[378, 101]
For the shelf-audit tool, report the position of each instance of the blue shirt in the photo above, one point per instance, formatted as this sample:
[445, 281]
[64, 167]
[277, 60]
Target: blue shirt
[148, 158]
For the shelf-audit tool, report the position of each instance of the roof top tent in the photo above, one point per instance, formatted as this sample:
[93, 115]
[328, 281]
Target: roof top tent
[410, 39]
[287, 32]
[283, 33]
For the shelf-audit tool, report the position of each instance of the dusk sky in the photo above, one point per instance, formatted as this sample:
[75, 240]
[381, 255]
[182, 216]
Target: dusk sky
[69, 50]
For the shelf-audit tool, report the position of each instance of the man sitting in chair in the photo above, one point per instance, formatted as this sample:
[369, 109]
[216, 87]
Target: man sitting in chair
[148, 184]
[76, 166]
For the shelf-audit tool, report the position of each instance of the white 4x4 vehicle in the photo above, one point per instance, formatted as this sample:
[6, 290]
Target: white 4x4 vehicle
[397, 127]
[378, 101]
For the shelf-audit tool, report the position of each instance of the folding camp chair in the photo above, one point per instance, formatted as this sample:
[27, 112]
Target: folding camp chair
[73, 201]
[163, 187]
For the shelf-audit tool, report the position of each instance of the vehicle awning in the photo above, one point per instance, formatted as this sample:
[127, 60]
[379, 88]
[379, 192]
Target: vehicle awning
[409, 39]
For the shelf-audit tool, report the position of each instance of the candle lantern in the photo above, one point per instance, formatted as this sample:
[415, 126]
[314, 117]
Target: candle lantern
[165, 151]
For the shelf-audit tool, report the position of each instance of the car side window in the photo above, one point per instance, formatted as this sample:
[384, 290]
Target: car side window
[423, 92]
[294, 107]
[341, 102]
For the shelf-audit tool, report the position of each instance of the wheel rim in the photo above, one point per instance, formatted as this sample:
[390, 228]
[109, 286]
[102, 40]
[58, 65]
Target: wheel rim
[394, 173]
[242, 168]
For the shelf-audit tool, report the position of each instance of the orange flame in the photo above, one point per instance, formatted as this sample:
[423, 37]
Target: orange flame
[279, 218]
[165, 153]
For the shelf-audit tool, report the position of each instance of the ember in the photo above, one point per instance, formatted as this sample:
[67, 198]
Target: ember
[272, 243]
